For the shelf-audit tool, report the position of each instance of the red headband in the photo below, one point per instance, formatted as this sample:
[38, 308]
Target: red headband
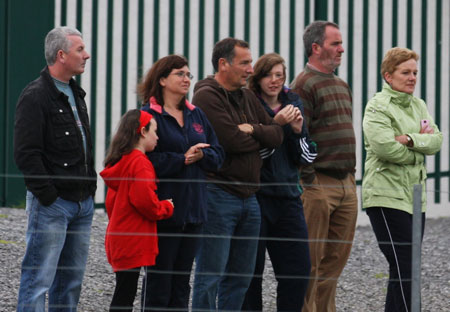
[144, 119]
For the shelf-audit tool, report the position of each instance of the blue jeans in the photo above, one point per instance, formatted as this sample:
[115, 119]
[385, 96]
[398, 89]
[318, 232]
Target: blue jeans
[56, 254]
[225, 266]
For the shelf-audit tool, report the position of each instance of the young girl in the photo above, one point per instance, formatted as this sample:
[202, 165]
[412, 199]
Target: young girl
[132, 205]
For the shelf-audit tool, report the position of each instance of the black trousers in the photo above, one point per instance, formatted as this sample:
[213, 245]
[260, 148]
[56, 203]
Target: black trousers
[393, 230]
[125, 292]
[166, 285]
[283, 221]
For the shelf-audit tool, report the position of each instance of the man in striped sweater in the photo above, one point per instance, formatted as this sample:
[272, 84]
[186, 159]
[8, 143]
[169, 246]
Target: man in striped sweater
[329, 198]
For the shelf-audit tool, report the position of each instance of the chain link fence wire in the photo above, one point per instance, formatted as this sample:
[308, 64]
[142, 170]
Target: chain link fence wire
[99, 281]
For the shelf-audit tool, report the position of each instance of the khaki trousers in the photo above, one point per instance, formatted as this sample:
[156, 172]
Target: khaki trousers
[331, 209]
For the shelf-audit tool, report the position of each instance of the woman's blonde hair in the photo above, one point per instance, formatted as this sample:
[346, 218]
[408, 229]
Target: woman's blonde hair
[395, 57]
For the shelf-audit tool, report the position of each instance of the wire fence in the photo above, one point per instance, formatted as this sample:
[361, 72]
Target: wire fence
[7, 245]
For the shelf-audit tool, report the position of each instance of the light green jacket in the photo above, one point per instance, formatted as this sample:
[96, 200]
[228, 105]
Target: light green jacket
[391, 168]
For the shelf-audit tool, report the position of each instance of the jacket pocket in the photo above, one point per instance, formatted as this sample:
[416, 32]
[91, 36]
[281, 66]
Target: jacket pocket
[61, 116]
[387, 182]
[66, 138]
[59, 165]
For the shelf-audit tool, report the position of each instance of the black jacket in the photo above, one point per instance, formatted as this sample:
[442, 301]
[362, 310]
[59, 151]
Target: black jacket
[48, 146]
[189, 197]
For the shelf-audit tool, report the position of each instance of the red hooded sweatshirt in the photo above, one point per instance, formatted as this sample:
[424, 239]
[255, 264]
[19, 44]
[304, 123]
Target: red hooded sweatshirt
[133, 209]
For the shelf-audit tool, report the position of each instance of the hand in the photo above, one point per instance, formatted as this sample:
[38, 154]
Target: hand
[194, 153]
[426, 129]
[297, 123]
[402, 139]
[246, 128]
[170, 200]
[286, 115]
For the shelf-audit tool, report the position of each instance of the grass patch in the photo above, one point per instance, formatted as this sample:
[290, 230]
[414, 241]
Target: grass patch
[19, 204]
[381, 275]
[5, 242]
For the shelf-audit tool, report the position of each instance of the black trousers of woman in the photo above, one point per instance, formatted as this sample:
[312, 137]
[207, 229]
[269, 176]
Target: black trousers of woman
[283, 222]
[166, 285]
[393, 230]
[125, 292]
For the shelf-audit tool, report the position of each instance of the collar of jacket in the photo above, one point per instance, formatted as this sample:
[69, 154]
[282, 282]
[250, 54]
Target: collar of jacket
[210, 81]
[54, 92]
[285, 97]
[158, 108]
[397, 97]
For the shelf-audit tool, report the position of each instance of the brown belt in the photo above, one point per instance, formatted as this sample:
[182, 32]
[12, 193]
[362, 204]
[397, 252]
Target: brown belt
[340, 175]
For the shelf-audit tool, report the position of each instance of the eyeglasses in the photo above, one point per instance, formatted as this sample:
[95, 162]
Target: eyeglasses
[276, 76]
[182, 74]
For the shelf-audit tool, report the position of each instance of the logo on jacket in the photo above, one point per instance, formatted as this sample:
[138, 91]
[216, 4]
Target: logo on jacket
[197, 127]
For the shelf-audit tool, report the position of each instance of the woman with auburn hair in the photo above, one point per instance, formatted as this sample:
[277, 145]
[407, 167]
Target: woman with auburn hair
[186, 150]
[398, 134]
[282, 219]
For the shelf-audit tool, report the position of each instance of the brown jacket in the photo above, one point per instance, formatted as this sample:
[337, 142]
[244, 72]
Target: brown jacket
[240, 172]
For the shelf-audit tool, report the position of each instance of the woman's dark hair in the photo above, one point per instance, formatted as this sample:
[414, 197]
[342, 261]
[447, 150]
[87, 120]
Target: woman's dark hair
[262, 67]
[126, 137]
[150, 85]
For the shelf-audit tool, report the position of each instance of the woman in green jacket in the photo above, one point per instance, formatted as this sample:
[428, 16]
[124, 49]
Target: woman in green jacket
[398, 134]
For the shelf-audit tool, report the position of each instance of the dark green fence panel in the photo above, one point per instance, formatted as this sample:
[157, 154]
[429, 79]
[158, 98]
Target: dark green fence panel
[3, 87]
[191, 27]
[24, 26]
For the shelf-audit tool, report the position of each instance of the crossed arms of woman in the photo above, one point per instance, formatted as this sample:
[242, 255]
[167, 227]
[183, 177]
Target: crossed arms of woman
[406, 143]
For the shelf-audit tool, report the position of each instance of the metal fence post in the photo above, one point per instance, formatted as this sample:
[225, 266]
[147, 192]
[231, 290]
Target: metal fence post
[416, 248]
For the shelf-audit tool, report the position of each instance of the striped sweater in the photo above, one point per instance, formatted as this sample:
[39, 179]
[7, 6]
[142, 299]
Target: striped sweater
[327, 100]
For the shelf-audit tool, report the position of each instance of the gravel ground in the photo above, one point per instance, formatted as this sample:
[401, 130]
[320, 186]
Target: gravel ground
[362, 286]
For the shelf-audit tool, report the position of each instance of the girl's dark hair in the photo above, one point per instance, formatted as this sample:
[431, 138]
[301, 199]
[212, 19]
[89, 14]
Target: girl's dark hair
[262, 67]
[150, 85]
[126, 137]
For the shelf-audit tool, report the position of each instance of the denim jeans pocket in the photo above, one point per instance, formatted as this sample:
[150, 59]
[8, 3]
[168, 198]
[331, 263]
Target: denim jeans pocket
[211, 186]
[28, 201]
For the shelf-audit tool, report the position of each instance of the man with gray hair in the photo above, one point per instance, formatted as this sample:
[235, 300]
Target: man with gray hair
[329, 189]
[53, 150]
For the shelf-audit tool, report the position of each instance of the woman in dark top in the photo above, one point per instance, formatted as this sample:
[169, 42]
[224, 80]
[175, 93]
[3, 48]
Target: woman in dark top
[186, 150]
[281, 206]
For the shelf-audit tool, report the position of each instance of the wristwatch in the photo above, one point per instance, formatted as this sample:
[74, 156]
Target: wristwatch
[410, 141]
